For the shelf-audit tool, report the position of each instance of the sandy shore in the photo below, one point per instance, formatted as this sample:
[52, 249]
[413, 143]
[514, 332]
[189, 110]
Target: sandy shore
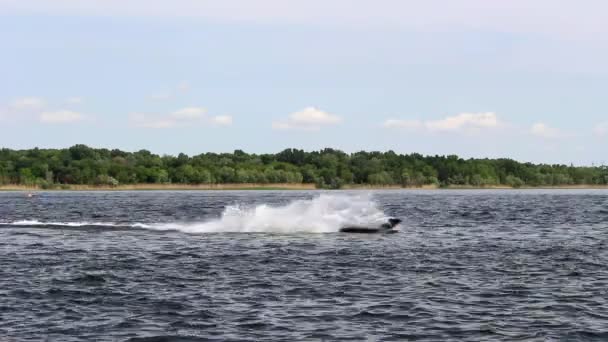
[247, 186]
[279, 186]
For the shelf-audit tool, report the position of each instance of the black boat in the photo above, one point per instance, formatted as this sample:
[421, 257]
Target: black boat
[385, 228]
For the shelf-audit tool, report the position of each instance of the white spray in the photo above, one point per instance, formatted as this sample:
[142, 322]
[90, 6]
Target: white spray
[326, 213]
[323, 214]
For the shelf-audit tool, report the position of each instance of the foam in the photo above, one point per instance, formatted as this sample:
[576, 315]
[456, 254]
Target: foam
[323, 214]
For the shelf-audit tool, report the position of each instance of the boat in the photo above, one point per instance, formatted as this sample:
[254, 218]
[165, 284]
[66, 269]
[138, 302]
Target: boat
[389, 227]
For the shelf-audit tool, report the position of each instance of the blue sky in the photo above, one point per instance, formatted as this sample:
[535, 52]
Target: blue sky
[519, 79]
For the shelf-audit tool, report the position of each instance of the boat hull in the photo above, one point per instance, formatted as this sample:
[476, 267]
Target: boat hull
[368, 230]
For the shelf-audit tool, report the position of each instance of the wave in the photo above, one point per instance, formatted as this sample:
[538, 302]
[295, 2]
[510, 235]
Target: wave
[323, 214]
[43, 224]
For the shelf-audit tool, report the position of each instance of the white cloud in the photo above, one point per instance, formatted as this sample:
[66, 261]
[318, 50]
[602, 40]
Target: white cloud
[403, 124]
[313, 116]
[28, 103]
[60, 116]
[74, 100]
[309, 118]
[180, 118]
[460, 122]
[463, 120]
[222, 120]
[544, 131]
[29, 108]
[189, 113]
[601, 129]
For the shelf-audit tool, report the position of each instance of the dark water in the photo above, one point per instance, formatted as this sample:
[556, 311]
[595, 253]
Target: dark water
[468, 265]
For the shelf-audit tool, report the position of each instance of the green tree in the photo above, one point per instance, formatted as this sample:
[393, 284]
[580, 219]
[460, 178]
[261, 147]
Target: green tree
[327, 168]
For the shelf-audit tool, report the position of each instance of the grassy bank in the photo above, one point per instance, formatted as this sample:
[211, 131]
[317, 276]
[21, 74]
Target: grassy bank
[277, 186]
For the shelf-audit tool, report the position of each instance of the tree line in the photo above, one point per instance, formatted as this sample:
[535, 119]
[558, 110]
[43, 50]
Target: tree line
[327, 168]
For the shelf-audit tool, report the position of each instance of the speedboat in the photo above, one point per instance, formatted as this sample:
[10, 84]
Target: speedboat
[389, 227]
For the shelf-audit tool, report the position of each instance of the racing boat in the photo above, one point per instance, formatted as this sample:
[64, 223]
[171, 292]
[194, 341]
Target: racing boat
[389, 227]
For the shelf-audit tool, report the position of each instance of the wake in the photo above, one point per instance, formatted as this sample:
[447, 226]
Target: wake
[323, 214]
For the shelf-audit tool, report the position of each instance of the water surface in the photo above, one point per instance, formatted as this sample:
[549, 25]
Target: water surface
[265, 265]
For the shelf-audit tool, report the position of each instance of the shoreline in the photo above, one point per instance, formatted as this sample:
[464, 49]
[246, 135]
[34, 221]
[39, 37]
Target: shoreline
[279, 186]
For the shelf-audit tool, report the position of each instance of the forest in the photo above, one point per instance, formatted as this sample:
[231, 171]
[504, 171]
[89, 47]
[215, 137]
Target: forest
[327, 168]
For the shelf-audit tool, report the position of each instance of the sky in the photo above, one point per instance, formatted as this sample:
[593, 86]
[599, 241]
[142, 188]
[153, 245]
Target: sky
[519, 79]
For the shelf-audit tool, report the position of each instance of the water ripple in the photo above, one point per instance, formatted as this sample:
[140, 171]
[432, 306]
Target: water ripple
[468, 265]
